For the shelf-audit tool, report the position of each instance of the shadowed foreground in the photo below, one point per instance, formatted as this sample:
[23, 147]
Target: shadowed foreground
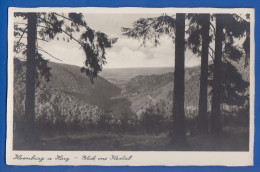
[234, 138]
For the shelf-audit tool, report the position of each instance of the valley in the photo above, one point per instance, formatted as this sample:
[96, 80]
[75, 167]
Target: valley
[70, 109]
[121, 76]
[116, 91]
[145, 87]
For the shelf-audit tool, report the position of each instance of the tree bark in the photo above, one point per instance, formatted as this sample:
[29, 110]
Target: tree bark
[216, 127]
[203, 98]
[30, 72]
[178, 134]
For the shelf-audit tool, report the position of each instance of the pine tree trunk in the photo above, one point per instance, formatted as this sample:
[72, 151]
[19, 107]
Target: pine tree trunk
[216, 127]
[203, 100]
[178, 133]
[30, 72]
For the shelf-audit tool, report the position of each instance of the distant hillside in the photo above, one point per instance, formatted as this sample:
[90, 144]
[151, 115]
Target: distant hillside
[69, 96]
[69, 78]
[121, 76]
[146, 90]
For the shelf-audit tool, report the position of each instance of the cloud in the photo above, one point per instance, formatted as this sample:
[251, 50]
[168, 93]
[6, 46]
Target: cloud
[69, 53]
[126, 42]
[130, 52]
[125, 58]
[126, 53]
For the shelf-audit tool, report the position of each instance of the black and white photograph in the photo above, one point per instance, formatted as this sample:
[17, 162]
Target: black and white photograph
[130, 84]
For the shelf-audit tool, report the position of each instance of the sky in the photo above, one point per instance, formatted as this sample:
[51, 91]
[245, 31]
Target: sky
[126, 52]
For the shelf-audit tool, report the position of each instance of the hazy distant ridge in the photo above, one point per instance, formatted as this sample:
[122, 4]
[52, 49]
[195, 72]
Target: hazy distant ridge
[121, 76]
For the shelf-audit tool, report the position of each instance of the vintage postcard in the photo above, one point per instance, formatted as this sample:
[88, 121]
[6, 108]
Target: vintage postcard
[130, 86]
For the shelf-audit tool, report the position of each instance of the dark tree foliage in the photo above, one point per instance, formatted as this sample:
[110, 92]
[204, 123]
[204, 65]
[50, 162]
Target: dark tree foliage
[151, 29]
[195, 31]
[198, 41]
[45, 27]
[96, 59]
[239, 28]
[50, 24]
[228, 86]
[234, 87]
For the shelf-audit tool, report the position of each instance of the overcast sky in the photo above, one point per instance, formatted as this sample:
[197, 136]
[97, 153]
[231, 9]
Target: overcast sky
[126, 53]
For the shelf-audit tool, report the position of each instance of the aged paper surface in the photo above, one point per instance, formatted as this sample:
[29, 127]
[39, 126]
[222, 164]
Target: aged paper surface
[109, 122]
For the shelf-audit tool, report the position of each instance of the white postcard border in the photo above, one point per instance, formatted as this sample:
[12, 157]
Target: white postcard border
[135, 158]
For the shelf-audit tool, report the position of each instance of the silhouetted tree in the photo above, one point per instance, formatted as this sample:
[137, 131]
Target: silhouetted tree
[227, 79]
[199, 26]
[45, 27]
[150, 29]
[228, 27]
[216, 90]
[179, 131]
[31, 69]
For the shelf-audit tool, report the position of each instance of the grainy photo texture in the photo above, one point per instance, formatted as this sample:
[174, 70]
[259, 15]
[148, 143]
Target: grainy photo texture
[164, 81]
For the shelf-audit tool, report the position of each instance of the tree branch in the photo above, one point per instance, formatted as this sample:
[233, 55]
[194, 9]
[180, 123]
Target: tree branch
[37, 39]
[63, 31]
[225, 59]
[71, 20]
[211, 49]
[213, 52]
[214, 29]
[240, 17]
[63, 17]
[23, 49]
[211, 56]
[22, 35]
[48, 54]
